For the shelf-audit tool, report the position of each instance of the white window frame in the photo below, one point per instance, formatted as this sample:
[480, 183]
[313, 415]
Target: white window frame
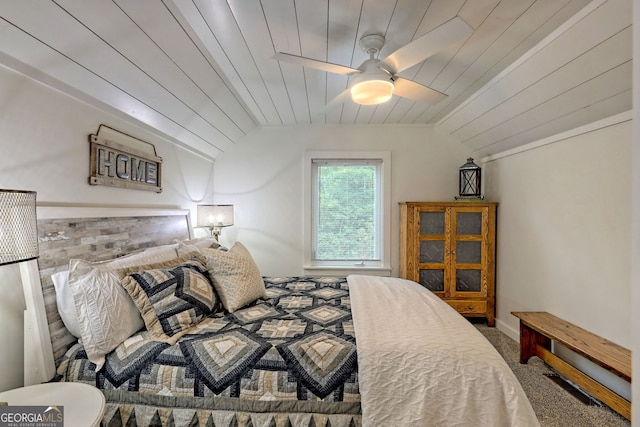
[380, 267]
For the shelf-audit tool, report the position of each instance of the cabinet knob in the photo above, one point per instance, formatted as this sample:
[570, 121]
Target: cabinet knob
[470, 307]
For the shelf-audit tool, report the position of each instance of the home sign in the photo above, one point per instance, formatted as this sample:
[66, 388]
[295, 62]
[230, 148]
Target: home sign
[120, 160]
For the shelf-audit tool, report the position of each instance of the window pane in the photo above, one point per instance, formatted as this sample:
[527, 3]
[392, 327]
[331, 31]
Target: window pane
[346, 212]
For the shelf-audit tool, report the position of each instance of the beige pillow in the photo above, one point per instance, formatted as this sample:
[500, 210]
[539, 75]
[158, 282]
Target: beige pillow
[106, 314]
[235, 276]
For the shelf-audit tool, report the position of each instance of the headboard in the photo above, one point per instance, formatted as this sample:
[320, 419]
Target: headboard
[95, 234]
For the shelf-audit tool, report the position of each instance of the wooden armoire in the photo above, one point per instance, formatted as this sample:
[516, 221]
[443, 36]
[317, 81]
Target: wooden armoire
[449, 248]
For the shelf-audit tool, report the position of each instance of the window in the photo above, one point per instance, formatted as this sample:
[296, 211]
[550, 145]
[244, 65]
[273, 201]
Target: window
[345, 225]
[347, 211]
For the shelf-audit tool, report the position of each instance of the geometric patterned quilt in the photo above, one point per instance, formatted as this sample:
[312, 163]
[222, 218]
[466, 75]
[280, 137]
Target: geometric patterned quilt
[287, 359]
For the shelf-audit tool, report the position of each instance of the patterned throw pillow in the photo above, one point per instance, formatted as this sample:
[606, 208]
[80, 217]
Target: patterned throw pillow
[235, 276]
[172, 300]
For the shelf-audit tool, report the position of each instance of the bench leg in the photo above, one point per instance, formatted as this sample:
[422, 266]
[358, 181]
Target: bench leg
[529, 340]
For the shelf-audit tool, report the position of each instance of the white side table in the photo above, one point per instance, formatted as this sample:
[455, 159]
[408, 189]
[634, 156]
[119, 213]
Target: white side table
[83, 404]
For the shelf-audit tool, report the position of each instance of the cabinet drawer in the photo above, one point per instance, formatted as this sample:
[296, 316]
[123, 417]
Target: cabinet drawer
[468, 307]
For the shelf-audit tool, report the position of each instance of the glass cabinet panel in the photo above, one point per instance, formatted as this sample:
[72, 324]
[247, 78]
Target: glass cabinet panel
[431, 251]
[469, 223]
[432, 280]
[468, 280]
[468, 252]
[431, 223]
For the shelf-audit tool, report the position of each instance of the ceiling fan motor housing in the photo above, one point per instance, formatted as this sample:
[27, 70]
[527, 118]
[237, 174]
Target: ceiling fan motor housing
[372, 43]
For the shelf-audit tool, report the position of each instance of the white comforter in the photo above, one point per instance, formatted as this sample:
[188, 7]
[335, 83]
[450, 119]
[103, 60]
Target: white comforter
[422, 364]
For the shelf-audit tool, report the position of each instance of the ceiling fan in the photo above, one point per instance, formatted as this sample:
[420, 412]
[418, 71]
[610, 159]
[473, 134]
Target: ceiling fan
[376, 80]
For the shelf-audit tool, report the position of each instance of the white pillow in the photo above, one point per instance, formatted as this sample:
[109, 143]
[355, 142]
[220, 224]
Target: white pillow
[64, 296]
[235, 276]
[106, 314]
[64, 299]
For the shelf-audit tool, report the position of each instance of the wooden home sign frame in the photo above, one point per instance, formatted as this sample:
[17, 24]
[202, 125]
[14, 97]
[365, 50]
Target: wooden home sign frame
[120, 160]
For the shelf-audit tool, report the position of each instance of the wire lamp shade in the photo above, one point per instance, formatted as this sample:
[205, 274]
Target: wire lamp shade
[18, 226]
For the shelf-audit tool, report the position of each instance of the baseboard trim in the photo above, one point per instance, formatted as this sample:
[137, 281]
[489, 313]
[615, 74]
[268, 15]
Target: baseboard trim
[512, 333]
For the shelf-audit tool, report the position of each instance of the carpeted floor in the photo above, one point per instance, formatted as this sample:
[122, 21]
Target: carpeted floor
[554, 406]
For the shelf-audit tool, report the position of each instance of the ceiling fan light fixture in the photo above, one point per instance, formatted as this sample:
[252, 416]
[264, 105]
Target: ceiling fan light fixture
[373, 86]
[372, 92]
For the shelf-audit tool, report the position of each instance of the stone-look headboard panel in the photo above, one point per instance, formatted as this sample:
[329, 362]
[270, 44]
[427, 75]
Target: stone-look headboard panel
[96, 234]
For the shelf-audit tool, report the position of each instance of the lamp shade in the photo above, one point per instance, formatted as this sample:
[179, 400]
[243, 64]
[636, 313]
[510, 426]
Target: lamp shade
[215, 215]
[18, 226]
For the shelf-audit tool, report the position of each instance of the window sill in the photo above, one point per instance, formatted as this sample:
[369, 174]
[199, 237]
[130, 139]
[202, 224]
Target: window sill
[324, 270]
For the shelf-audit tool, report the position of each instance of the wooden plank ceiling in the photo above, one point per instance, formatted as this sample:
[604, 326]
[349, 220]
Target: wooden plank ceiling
[202, 74]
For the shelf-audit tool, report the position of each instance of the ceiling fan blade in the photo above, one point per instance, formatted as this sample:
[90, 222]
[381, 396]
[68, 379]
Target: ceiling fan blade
[417, 92]
[424, 46]
[344, 96]
[314, 63]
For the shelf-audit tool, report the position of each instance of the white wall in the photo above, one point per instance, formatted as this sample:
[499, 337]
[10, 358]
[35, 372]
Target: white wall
[44, 147]
[263, 178]
[564, 223]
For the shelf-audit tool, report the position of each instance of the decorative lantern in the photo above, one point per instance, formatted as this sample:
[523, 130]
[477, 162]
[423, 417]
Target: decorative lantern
[469, 180]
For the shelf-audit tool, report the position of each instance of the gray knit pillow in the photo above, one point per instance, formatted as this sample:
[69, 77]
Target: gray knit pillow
[235, 276]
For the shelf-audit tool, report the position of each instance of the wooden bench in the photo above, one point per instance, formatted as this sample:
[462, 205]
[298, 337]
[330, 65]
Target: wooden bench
[538, 329]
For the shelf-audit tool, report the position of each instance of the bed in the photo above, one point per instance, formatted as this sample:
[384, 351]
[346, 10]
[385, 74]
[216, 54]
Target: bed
[237, 348]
